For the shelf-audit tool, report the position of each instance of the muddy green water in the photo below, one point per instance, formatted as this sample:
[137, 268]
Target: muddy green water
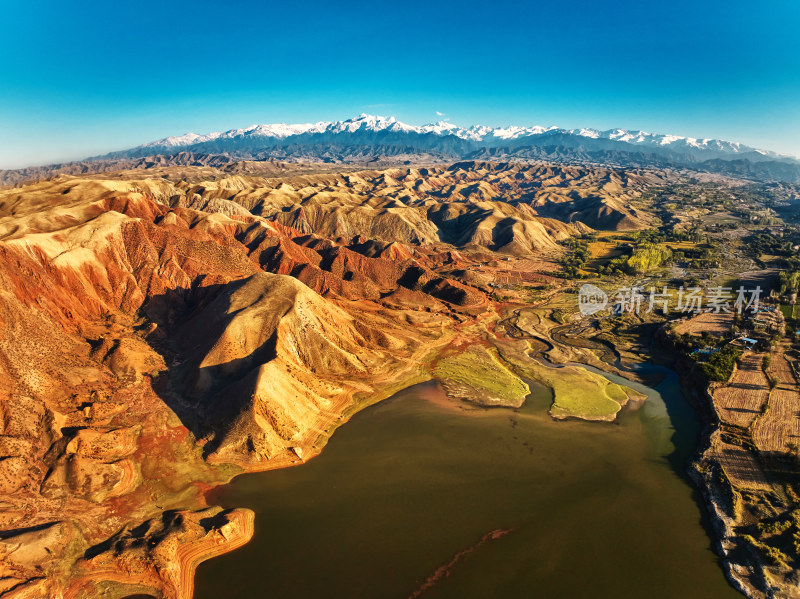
[410, 485]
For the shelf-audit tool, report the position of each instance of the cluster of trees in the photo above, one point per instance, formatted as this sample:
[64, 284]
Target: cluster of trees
[717, 366]
[779, 530]
[647, 236]
[789, 281]
[696, 194]
[576, 257]
[644, 253]
[666, 235]
[691, 234]
[648, 256]
[781, 245]
[773, 555]
[616, 266]
[720, 364]
[700, 257]
[688, 342]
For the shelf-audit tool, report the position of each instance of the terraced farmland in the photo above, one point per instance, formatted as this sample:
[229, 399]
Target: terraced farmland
[780, 425]
[741, 400]
[740, 465]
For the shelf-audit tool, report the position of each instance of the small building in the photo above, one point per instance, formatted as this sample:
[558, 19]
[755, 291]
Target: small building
[748, 342]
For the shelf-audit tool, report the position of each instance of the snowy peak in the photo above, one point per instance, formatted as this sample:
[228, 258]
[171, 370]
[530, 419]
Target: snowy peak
[279, 130]
[178, 141]
[480, 135]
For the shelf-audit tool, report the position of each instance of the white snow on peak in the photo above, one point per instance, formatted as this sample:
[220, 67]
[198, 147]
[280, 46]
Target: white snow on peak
[187, 139]
[593, 133]
[513, 132]
[440, 128]
[367, 122]
[668, 139]
[476, 133]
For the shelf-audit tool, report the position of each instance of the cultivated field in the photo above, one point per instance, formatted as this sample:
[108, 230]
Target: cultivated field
[741, 400]
[711, 322]
[780, 425]
[740, 465]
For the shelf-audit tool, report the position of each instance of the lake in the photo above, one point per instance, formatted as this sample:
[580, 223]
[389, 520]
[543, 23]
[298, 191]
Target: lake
[419, 496]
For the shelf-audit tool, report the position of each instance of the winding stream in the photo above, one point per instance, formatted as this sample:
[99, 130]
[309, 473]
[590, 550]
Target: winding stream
[419, 497]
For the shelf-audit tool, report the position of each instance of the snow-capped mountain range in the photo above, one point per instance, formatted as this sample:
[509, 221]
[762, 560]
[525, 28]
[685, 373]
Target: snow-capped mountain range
[377, 141]
[380, 142]
[479, 134]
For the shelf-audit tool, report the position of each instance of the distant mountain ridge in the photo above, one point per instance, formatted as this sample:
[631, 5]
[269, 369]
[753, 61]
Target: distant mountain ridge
[481, 135]
[370, 140]
[377, 141]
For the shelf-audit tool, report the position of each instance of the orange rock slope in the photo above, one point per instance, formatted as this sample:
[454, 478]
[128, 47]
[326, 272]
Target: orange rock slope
[149, 351]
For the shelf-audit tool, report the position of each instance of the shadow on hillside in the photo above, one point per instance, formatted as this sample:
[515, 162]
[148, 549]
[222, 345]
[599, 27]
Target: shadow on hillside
[190, 323]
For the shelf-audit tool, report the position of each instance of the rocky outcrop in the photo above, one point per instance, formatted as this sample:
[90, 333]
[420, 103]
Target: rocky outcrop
[161, 554]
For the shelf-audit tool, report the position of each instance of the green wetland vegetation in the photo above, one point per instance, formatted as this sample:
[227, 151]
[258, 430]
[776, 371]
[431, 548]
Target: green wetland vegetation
[419, 496]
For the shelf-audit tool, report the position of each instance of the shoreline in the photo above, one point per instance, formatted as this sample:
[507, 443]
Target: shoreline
[715, 489]
[419, 374]
[538, 402]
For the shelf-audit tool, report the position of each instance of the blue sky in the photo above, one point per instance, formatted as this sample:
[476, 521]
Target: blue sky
[85, 77]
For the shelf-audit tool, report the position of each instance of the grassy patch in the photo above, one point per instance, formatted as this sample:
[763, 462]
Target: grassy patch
[577, 392]
[788, 311]
[580, 393]
[617, 393]
[477, 373]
